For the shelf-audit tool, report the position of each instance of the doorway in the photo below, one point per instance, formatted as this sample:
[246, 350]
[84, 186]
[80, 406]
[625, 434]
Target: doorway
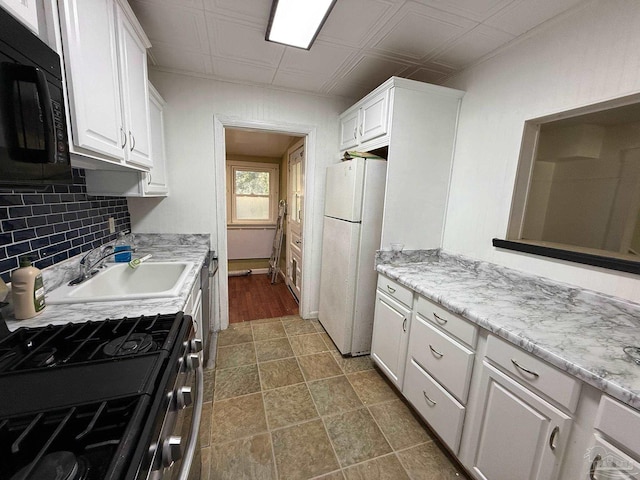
[256, 174]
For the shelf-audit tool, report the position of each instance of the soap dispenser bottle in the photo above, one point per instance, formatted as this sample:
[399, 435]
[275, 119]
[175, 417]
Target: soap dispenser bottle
[123, 244]
[27, 290]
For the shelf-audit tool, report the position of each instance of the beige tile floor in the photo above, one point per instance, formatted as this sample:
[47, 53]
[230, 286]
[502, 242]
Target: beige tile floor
[282, 403]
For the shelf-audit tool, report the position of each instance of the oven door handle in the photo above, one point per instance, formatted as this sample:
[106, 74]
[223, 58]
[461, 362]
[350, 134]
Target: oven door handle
[192, 442]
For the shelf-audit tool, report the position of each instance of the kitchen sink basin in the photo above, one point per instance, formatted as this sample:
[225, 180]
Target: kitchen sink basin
[121, 282]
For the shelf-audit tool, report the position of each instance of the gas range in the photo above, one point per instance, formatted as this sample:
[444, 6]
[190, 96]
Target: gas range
[108, 400]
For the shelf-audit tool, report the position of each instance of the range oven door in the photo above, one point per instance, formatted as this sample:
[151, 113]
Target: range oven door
[178, 455]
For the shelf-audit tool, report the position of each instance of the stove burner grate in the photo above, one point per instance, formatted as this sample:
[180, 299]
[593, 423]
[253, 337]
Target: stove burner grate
[129, 344]
[60, 465]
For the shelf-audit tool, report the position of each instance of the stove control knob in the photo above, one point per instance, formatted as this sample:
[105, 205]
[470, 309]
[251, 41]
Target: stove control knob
[196, 345]
[184, 397]
[171, 450]
[193, 361]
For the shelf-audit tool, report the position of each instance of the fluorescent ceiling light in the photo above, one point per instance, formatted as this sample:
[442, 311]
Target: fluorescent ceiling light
[297, 22]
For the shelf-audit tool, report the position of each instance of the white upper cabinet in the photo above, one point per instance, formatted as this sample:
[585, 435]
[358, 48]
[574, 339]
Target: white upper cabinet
[416, 122]
[106, 72]
[135, 94]
[349, 123]
[91, 61]
[155, 181]
[367, 120]
[134, 183]
[374, 116]
[24, 10]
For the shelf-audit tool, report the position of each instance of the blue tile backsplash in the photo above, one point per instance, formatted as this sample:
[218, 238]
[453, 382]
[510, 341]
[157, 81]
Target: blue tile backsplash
[54, 223]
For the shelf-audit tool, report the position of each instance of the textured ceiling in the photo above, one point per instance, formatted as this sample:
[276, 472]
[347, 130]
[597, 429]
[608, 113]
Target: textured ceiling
[363, 42]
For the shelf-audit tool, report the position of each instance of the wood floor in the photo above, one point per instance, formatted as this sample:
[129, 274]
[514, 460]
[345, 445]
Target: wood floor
[253, 296]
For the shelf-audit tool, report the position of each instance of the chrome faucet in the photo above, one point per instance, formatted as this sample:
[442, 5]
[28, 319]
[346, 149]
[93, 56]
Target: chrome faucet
[88, 269]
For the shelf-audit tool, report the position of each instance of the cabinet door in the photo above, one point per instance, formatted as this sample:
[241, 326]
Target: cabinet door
[349, 129]
[135, 92]
[156, 180]
[24, 10]
[374, 117]
[91, 63]
[390, 337]
[519, 435]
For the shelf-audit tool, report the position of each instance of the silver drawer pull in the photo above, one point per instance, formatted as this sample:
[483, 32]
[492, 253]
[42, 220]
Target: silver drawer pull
[404, 324]
[552, 438]
[593, 468]
[440, 320]
[524, 369]
[391, 289]
[426, 397]
[436, 352]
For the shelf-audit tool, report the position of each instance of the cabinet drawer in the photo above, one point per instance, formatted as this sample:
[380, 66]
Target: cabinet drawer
[447, 321]
[443, 358]
[534, 372]
[620, 423]
[441, 411]
[607, 462]
[395, 290]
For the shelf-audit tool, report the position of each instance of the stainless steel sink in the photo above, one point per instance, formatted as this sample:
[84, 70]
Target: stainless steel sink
[121, 282]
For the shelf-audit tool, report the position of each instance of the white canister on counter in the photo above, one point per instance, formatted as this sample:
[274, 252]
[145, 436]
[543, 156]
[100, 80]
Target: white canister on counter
[27, 290]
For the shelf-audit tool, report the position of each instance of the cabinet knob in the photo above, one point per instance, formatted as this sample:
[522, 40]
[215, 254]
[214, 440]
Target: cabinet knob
[391, 289]
[132, 138]
[404, 324]
[123, 136]
[171, 450]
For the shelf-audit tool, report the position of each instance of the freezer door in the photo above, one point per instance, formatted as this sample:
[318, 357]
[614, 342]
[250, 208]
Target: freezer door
[345, 183]
[338, 280]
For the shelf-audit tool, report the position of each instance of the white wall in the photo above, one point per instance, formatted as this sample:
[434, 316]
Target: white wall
[586, 57]
[191, 105]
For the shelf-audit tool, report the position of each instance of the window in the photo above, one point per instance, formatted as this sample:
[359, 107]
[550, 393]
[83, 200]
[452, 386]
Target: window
[252, 193]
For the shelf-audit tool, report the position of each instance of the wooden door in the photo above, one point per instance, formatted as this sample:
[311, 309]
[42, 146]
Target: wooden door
[295, 206]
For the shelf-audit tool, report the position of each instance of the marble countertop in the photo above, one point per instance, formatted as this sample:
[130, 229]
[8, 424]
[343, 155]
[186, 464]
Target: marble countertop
[579, 331]
[179, 250]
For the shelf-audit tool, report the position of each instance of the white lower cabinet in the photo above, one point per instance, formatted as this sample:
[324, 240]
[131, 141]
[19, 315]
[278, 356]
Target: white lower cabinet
[615, 449]
[390, 336]
[505, 413]
[518, 435]
[443, 413]
[606, 462]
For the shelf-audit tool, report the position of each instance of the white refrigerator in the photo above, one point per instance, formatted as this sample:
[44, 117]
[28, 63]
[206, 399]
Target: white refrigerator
[352, 229]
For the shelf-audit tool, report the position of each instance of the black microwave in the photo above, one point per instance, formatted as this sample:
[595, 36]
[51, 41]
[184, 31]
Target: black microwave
[34, 148]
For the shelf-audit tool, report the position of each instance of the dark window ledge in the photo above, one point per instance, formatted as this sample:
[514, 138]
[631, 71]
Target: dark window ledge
[619, 264]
